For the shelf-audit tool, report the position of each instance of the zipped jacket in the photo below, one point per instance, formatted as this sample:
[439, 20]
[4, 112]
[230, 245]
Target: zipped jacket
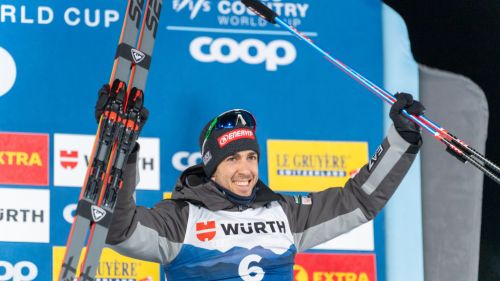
[200, 235]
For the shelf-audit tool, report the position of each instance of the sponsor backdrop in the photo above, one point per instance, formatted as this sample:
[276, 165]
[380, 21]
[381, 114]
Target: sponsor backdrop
[315, 125]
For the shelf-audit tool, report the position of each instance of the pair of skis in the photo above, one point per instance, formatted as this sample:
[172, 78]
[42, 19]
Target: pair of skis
[116, 137]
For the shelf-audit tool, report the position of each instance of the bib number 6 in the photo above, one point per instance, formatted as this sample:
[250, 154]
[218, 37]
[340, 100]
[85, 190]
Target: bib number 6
[250, 273]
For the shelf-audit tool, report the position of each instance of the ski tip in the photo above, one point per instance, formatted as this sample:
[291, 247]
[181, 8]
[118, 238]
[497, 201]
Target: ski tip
[261, 10]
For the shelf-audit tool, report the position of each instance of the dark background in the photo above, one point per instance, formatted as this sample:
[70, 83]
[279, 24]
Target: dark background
[463, 36]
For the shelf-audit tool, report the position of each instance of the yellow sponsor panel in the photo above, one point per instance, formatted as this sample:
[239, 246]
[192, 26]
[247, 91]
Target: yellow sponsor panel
[167, 195]
[313, 165]
[113, 266]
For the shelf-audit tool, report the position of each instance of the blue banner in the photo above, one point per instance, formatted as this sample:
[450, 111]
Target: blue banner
[209, 56]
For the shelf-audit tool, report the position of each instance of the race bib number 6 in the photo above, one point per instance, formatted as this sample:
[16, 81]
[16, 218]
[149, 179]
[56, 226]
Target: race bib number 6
[250, 273]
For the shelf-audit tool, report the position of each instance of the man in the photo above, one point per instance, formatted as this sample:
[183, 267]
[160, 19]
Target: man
[223, 223]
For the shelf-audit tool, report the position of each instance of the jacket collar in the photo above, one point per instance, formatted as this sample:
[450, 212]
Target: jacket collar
[195, 187]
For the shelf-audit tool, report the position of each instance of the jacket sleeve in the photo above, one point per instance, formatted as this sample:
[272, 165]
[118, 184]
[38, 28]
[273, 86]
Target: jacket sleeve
[154, 234]
[335, 211]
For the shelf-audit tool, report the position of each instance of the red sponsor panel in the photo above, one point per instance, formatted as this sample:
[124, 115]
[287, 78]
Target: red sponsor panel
[335, 267]
[24, 159]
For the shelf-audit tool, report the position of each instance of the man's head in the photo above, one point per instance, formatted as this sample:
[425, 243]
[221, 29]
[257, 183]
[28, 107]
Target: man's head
[230, 151]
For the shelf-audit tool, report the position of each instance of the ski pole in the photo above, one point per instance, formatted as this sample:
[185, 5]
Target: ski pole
[455, 146]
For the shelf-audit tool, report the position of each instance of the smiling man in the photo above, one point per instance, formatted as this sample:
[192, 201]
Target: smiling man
[223, 223]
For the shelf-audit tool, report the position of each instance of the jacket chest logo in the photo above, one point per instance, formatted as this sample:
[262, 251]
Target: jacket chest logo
[206, 230]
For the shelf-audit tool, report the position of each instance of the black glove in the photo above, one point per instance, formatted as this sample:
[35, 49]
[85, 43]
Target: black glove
[106, 94]
[102, 101]
[406, 128]
[136, 97]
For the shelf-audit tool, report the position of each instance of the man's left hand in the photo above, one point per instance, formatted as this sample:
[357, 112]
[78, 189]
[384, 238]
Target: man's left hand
[408, 129]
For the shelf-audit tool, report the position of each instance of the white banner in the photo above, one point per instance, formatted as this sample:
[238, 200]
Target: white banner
[24, 215]
[72, 154]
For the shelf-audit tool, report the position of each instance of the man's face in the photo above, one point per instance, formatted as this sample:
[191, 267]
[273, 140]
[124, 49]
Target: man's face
[238, 173]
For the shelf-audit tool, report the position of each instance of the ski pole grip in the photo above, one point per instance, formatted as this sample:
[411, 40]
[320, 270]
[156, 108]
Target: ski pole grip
[261, 10]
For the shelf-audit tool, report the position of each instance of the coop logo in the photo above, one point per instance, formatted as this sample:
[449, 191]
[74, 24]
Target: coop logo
[8, 71]
[184, 159]
[250, 51]
[68, 212]
[21, 271]
[72, 156]
[24, 159]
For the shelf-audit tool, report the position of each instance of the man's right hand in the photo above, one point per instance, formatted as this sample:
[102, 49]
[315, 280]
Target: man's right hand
[107, 93]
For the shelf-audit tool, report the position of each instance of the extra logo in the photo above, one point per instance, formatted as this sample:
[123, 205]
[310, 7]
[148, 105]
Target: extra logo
[300, 273]
[24, 159]
[97, 213]
[21, 271]
[235, 135]
[250, 51]
[8, 70]
[352, 267]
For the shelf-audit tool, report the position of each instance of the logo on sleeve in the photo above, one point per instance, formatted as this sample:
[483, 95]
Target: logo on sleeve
[302, 200]
[375, 157]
